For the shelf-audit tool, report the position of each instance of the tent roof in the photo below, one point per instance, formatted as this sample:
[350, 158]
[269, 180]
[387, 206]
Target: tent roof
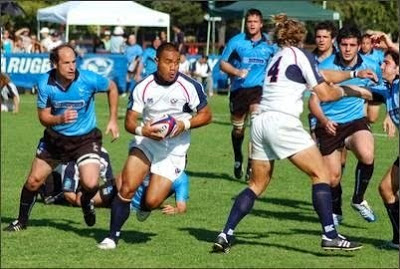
[103, 13]
[301, 10]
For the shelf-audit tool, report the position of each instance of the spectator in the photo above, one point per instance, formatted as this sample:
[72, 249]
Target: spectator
[184, 65]
[55, 40]
[24, 34]
[163, 37]
[179, 39]
[9, 96]
[106, 40]
[148, 64]
[7, 43]
[18, 45]
[98, 45]
[46, 39]
[117, 44]
[35, 46]
[78, 49]
[133, 53]
[202, 73]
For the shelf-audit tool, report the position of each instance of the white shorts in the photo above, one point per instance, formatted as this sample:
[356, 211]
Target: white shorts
[163, 163]
[276, 136]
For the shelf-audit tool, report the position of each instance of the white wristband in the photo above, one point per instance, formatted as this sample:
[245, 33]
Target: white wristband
[353, 74]
[186, 122]
[138, 130]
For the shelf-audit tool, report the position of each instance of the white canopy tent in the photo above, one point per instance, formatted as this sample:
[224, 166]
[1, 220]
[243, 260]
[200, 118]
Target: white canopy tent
[121, 13]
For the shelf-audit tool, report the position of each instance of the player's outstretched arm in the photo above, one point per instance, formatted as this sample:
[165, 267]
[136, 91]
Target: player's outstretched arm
[336, 76]
[112, 125]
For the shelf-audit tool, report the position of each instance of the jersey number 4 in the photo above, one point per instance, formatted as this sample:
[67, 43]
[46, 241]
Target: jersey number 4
[274, 70]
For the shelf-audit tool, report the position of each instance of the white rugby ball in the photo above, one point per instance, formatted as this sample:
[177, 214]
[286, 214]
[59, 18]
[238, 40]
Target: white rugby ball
[165, 124]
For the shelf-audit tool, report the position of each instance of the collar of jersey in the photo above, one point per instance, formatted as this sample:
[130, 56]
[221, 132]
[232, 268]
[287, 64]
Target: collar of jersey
[338, 61]
[160, 81]
[255, 43]
[52, 79]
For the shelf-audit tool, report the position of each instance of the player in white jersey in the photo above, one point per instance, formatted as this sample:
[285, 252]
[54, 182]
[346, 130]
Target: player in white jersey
[164, 92]
[277, 132]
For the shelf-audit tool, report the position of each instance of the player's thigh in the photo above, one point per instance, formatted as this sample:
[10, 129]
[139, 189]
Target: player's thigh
[333, 163]
[135, 170]
[310, 162]
[89, 173]
[361, 143]
[38, 174]
[261, 175]
[158, 190]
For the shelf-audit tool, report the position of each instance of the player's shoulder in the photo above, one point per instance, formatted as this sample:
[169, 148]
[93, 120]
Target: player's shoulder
[188, 81]
[368, 62]
[145, 82]
[45, 79]
[328, 62]
[237, 39]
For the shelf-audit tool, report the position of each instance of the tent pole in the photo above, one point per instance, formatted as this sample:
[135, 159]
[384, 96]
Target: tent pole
[208, 38]
[242, 29]
[38, 30]
[66, 33]
[168, 34]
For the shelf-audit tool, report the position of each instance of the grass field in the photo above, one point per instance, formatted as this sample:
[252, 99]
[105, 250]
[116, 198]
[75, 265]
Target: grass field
[281, 231]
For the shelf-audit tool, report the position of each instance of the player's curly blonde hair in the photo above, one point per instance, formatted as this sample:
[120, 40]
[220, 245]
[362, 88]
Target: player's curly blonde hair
[288, 32]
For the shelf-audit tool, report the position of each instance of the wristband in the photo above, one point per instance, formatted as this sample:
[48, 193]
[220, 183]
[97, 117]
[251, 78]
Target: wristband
[138, 130]
[186, 122]
[353, 74]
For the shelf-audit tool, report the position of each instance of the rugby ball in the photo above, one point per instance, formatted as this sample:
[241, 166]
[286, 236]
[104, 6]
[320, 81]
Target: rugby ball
[165, 124]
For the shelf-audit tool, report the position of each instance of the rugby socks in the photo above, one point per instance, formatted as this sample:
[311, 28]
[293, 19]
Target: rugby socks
[322, 202]
[27, 200]
[237, 147]
[120, 210]
[393, 212]
[363, 175]
[243, 204]
[337, 199]
[87, 195]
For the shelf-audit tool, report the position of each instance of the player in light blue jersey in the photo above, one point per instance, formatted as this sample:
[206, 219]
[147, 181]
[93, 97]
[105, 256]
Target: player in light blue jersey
[367, 49]
[245, 59]
[66, 108]
[180, 187]
[148, 63]
[343, 124]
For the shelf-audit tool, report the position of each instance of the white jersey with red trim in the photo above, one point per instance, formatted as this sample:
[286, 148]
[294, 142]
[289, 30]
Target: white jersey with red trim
[289, 74]
[154, 98]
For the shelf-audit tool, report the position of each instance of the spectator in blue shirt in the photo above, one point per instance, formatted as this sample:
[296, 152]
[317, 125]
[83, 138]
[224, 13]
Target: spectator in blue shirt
[148, 64]
[133, 53]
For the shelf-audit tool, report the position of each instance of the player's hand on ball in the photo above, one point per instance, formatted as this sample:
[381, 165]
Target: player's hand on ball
[152, 132]
[178, 129]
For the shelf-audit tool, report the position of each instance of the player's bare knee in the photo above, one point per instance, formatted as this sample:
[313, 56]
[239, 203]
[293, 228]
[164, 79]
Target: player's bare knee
[153, 202]
[33, 183]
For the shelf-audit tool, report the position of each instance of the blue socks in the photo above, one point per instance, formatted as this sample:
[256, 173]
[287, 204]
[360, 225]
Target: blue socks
[243, 204]
[322, 202]
[119, 214]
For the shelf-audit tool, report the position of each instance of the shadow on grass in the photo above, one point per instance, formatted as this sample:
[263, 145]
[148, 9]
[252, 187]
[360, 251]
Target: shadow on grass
[377, 243]
[247, 238]
[210, 175]
[129, 236]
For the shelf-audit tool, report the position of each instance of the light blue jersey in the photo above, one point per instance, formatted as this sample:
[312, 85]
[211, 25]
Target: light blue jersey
[349, 108]
[180, 187]
[390, 92]
[243, 53]
[377, 55]
[149, 61]
[79, 96]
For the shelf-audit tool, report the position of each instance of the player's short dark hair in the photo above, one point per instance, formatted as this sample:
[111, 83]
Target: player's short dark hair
[54, 53]
[252, 12]
[328, 26]
[394, 55]
[166, 46]
[349, 31]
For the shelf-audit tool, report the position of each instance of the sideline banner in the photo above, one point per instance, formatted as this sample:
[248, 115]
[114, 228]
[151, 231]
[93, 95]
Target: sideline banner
[25, 69]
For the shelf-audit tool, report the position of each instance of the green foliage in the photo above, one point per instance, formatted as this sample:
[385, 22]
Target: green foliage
[182, 12]
[282, 231]
[377, 15]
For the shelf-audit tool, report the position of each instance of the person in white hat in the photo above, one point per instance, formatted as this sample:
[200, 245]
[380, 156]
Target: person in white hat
[46, 39]
[117, 40]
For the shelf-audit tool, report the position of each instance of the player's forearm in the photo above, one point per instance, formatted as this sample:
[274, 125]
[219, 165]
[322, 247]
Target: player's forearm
[48, 120]
[315, 109]
[229, 69]
[113, 101]
[334, 76]
[203, 117]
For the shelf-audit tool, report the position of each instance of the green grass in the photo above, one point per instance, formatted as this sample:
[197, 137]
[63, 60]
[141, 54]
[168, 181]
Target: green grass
[281, 231]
